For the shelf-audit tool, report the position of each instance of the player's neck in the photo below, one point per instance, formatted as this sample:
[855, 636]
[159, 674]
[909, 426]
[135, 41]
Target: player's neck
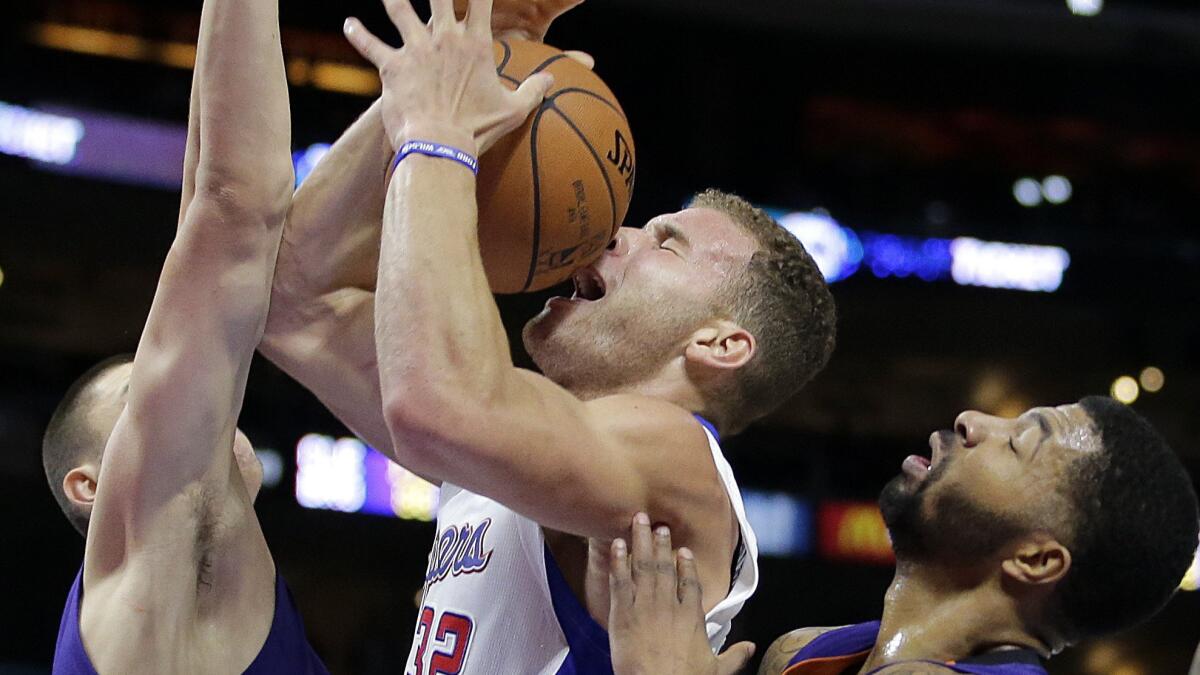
[662, 386]
[939, 614]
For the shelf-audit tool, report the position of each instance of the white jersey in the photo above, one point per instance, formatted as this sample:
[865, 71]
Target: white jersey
[495, 602]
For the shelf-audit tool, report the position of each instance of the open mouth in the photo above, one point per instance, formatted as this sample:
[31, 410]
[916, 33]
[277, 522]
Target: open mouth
[917, 466]
[589, 285]
[917, 461]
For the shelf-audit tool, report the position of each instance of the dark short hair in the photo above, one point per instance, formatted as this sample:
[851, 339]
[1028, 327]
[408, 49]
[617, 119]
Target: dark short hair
[1136, 526]
[68, 441]
[783, 300]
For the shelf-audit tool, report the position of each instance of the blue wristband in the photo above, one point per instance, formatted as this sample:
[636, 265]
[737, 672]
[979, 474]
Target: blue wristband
[432, 149]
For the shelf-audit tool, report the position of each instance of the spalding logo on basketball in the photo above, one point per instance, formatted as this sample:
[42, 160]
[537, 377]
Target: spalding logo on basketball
[553, 193]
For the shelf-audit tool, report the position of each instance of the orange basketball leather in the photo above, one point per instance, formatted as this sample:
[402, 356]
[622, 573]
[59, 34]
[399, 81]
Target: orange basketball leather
[553, 193]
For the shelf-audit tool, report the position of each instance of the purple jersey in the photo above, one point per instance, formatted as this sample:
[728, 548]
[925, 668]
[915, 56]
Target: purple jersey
[849, 647]
[285, 651]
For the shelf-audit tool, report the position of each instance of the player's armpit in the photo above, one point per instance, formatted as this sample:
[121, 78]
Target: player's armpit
[175, 435]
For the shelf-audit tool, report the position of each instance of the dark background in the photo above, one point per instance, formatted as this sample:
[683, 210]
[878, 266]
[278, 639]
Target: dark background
[903, 116]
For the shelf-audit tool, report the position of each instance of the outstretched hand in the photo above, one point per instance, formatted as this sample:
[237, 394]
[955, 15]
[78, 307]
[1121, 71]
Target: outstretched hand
[656, 620]
[442, 84]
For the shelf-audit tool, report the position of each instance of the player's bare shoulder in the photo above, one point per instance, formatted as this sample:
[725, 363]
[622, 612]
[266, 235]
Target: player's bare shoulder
[660, 433]
[780, 653]
[671, 450]
[786, 646]
[638, 418]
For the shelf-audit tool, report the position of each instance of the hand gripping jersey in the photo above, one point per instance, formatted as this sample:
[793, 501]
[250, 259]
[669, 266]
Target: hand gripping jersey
[286, 649]
[496, 603]
[845, 650]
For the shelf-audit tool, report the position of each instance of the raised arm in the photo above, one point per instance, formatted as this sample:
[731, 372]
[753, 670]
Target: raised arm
[168, 472]
[321, 328]
[455, 405]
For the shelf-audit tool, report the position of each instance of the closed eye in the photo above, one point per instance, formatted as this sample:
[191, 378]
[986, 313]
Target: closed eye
[1011, 446]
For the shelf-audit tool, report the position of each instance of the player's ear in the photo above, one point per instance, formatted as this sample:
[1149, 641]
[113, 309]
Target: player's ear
[1038, 561]
[80, 485]
[723, 345]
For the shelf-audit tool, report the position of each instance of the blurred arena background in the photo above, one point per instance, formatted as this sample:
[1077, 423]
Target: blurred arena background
[1004, 191]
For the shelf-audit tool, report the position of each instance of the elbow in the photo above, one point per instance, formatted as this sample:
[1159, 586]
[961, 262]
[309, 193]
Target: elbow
[241, 198]
[427, 424]
[414, 429]
[276, 343]
[434, 408]
[414, 411]
[428, 396]
[290, 316]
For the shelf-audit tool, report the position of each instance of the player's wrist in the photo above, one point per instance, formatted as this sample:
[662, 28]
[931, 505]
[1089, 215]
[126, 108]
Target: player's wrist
[437, 140]
[437, 132]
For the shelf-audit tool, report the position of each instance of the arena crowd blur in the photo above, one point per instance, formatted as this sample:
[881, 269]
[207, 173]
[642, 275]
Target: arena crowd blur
[1001, 193]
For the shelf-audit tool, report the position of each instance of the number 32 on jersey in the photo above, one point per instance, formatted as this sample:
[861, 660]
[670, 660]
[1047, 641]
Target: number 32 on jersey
[442, 642]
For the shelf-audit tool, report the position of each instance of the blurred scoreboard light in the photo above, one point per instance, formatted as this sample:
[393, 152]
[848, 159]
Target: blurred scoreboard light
[836, 249]
[331, 474]
[102, 145]
[1085, 7]
[853, 532]
[143, 152]
[840, 252]
[126, 149]
[306, 160]
[1016, 266]
[272, 466]
[413, 497]
[345, 475]
[892, 255]
[782, 523]
[40, 136]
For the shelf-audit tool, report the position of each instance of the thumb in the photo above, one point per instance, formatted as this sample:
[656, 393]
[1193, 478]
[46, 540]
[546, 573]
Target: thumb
[583, 58]
[735, 658]
[532, 91]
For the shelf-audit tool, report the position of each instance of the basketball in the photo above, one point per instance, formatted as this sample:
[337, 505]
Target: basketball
[553, 192]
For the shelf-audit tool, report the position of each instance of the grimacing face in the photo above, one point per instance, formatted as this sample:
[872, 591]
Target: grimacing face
[108, 395]
[988, 481]
[635, 308]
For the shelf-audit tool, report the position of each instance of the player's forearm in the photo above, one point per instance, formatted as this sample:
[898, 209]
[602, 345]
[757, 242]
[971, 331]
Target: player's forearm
[320, 328]
[239, 147]
[331, 235]
[439, 338]
[244, 154]
[211, 303]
